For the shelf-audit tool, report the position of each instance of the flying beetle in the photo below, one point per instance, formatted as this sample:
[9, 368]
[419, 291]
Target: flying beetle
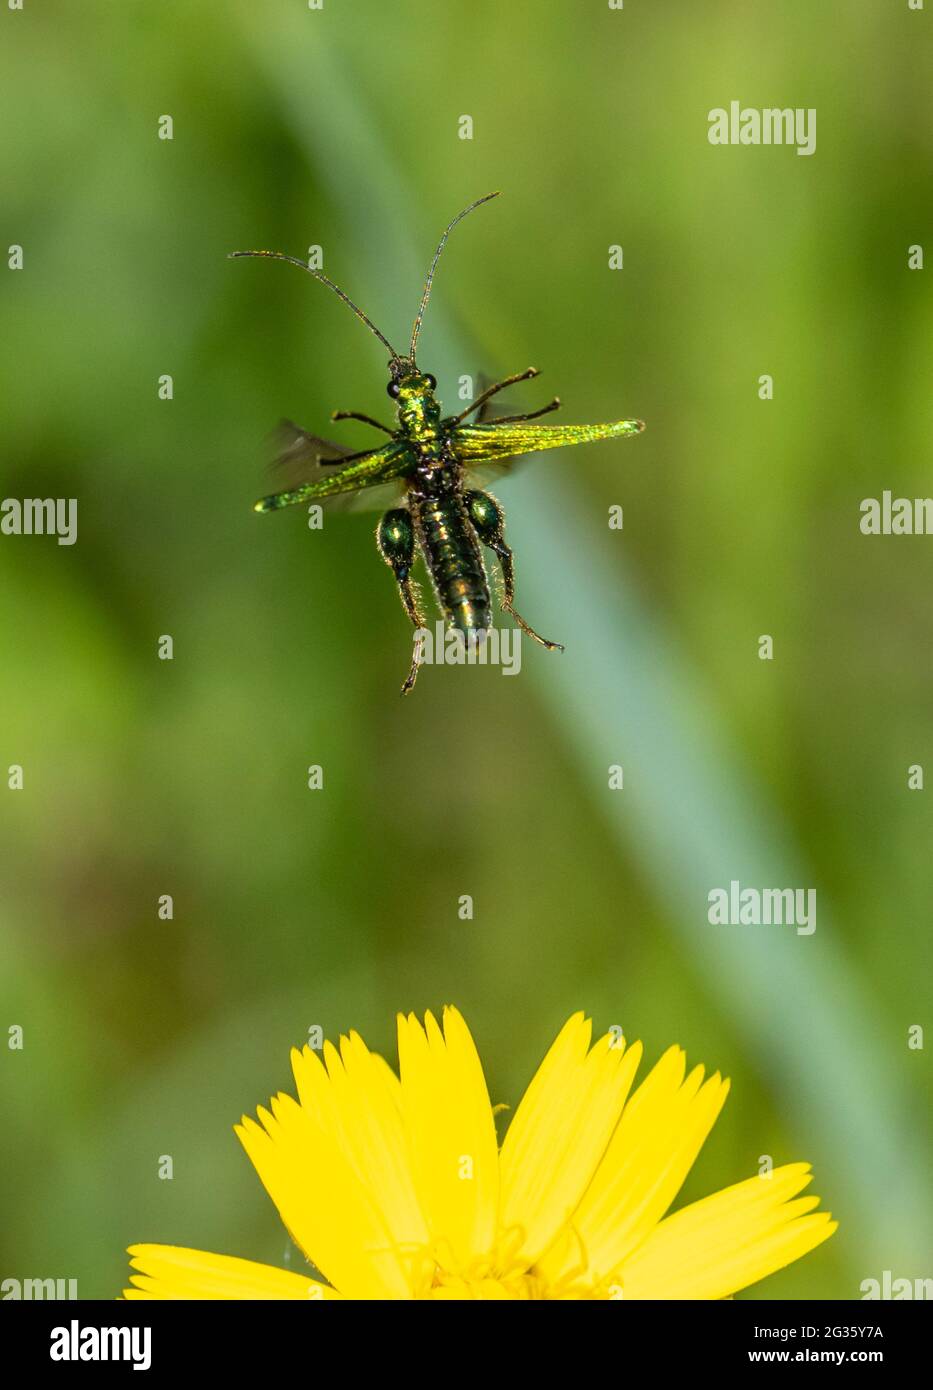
[427, 460]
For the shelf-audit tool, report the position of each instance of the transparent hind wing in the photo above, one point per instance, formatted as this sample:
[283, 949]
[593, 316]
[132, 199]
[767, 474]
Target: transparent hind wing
[295, 450]
[380, 497]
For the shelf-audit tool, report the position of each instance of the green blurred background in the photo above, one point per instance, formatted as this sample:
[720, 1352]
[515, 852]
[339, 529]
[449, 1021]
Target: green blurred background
[339, 127]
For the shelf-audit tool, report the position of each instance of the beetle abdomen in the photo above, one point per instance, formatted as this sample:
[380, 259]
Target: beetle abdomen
[453, 557]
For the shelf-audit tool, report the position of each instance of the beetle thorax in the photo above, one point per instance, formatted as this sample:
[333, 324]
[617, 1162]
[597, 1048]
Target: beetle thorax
[419, 416]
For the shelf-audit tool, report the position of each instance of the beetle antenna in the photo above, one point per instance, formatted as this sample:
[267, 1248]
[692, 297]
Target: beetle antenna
[319, 275]
[437, 255]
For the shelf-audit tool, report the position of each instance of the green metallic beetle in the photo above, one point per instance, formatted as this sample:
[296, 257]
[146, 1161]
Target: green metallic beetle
[427, 460]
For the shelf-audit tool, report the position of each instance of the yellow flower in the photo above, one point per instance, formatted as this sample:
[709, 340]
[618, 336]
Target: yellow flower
[396, 1188]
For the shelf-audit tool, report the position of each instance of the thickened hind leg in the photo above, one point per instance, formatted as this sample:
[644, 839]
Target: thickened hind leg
[489, 523]
[395, 536]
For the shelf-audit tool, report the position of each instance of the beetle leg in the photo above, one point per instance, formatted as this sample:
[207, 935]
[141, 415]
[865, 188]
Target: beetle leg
[366, 419]
[532, 415]
[489, 523]
[490, 391]
[395, 536]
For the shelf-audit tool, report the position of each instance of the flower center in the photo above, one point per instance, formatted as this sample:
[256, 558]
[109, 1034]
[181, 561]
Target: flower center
[518, 1286]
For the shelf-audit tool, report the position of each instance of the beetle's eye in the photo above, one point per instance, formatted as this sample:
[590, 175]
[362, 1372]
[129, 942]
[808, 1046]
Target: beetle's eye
[431, 382]
[393, 388]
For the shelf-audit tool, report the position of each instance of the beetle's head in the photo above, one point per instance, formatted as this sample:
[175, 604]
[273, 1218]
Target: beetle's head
[413, 392]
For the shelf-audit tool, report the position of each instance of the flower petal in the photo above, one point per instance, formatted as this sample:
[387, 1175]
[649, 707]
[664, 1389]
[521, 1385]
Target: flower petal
[337, 1168]
[721, 1244]
[560, 1132]
[451, 1136]
[171, 1272]
[663, 1127]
